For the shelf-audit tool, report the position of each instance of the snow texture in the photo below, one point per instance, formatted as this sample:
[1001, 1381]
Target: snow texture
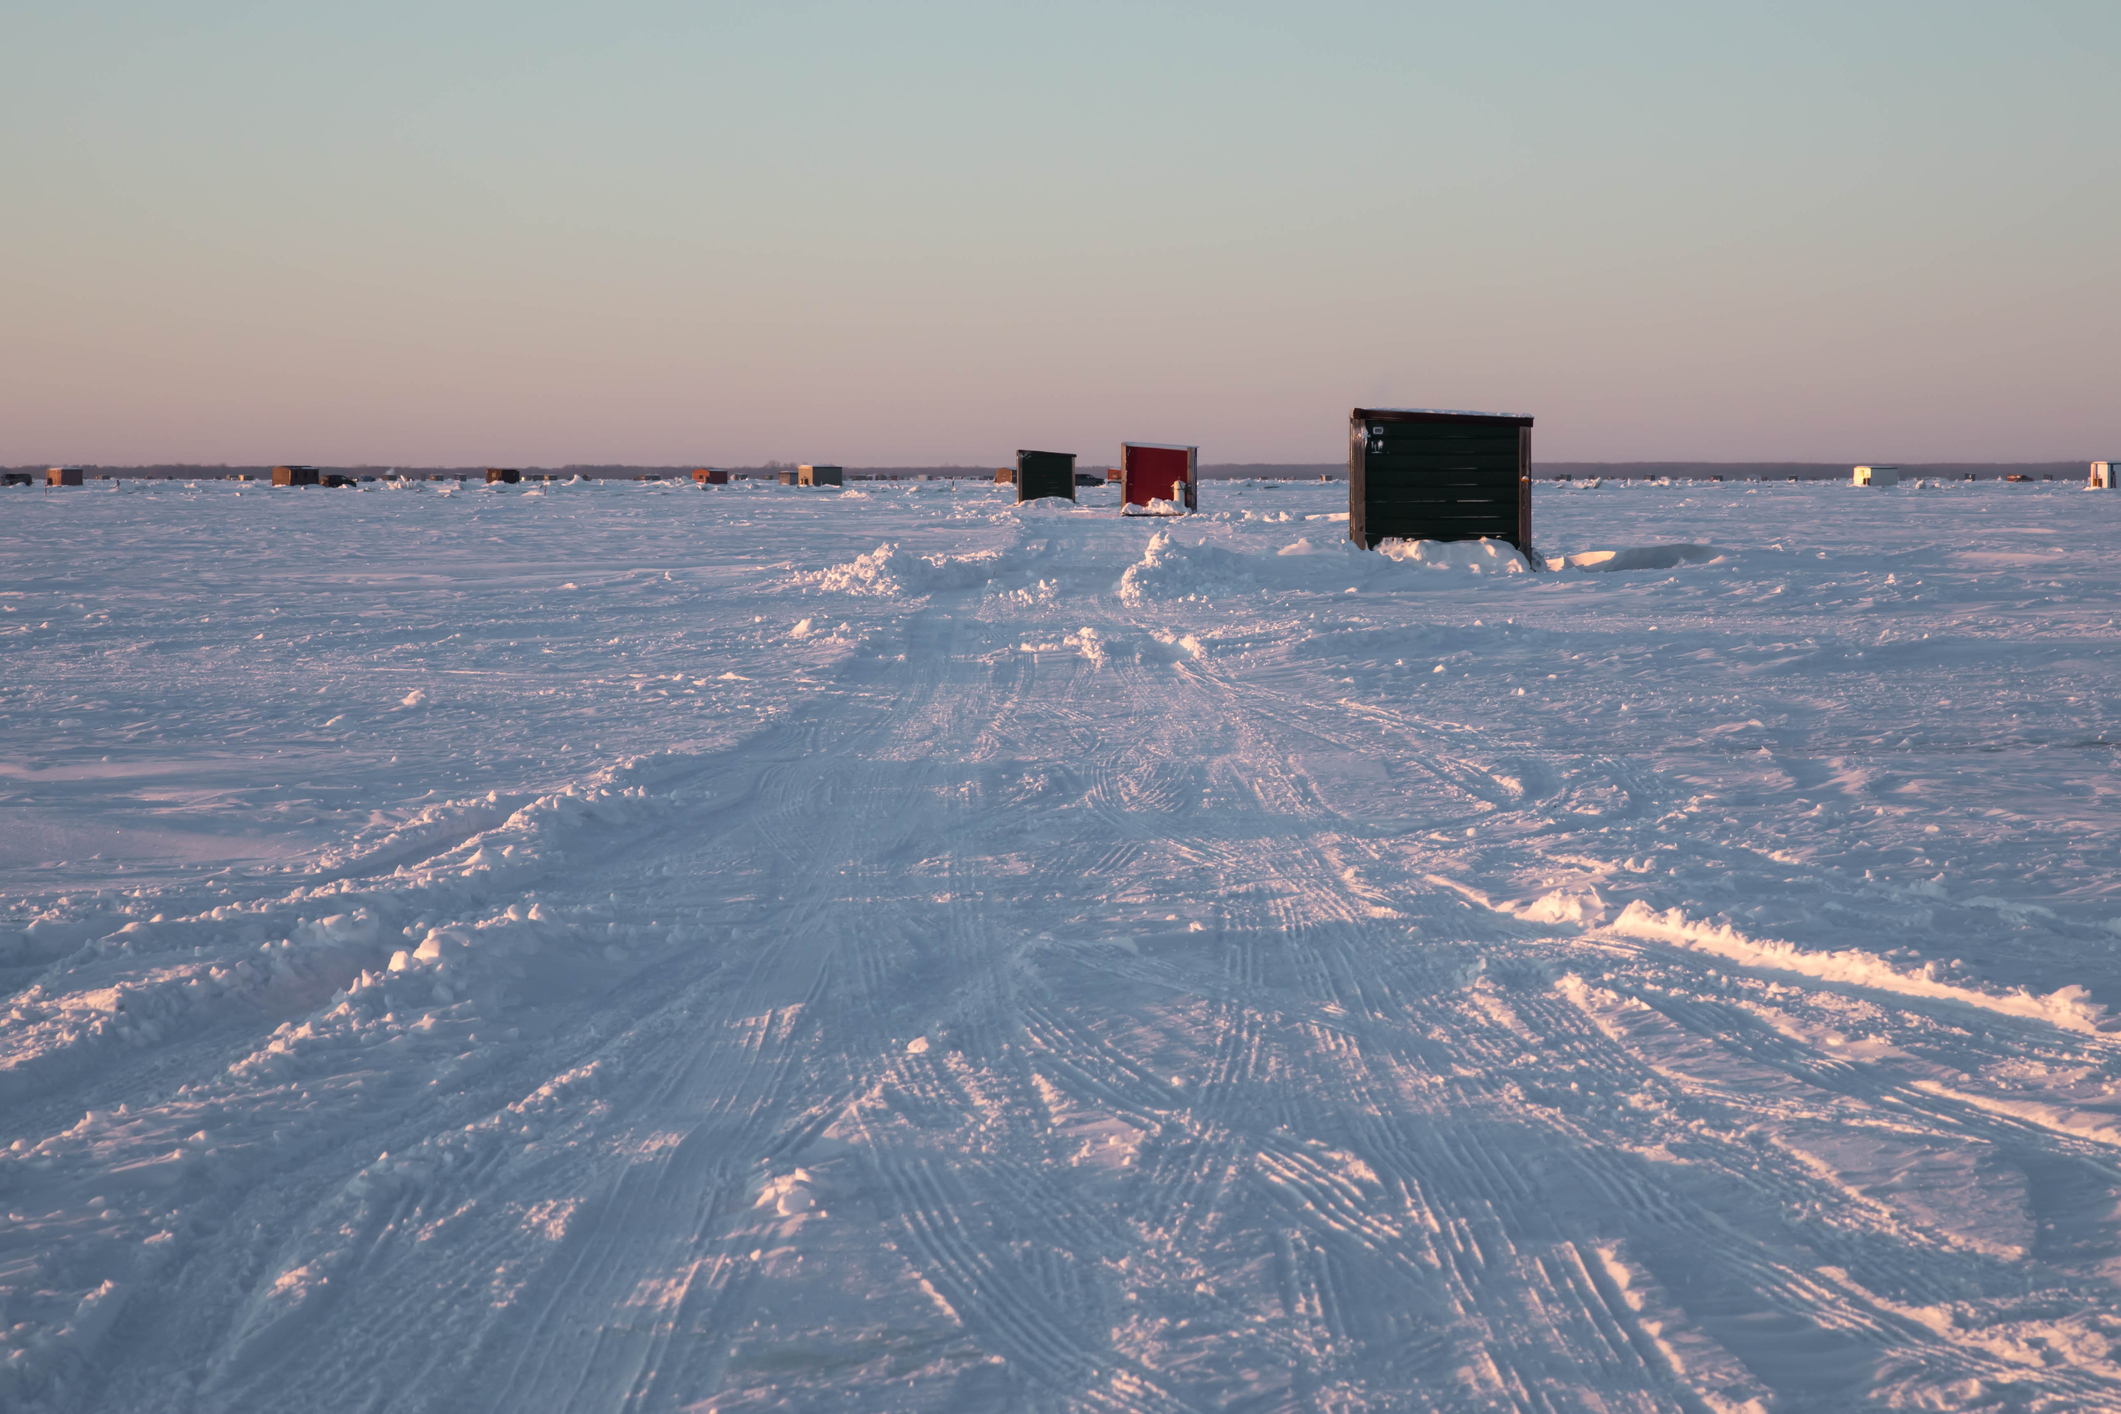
[635, 947]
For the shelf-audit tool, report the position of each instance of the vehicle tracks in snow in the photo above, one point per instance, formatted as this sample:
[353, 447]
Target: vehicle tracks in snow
[1037, 1013]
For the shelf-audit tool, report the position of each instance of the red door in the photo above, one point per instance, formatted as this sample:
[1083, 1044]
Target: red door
[1153, 474]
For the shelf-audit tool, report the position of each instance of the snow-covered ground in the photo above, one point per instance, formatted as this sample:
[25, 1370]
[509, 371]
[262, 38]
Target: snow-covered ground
[637, 947]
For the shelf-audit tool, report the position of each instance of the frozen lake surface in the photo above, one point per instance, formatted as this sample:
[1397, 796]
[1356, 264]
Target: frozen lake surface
[630, 947]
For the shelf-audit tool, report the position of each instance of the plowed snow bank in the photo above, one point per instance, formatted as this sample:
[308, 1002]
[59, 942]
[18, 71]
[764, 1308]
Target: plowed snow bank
[2068, 1007]
[1639, 557]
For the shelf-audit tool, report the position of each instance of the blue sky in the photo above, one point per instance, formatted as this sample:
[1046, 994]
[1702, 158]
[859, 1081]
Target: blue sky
[537, 234]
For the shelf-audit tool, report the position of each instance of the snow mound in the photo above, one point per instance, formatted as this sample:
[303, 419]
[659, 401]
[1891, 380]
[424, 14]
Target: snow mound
[888, 570]
[791, 1195]
[1171, 569]
[1476, 556]
[1581, 906]
[1639, 557]
[1087, 642]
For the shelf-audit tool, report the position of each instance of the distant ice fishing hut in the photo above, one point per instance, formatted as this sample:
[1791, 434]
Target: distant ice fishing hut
[1158, 471]
[1044, 474]
[710, 476]
[296, 476]
[2103, 476]
[503, 475]
[1429, 474]
[63, 476]
[819, 476]
[1877, 476]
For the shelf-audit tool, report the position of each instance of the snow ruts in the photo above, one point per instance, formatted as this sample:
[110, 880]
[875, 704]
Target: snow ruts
[1108, 1017]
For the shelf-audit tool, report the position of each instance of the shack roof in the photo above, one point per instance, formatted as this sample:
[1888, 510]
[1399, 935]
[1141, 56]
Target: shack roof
[1508, 419]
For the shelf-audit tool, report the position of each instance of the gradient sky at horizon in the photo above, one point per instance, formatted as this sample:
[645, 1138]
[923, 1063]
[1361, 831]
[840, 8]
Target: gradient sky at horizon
[539, 234]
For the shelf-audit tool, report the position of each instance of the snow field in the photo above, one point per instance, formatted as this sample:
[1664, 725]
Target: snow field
[595, 946]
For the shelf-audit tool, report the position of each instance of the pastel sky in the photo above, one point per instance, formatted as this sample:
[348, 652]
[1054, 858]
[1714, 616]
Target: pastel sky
[533, 233]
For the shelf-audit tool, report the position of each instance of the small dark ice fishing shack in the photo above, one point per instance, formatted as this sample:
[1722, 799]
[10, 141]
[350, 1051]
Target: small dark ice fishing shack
[1421, 474]
[1044, 474]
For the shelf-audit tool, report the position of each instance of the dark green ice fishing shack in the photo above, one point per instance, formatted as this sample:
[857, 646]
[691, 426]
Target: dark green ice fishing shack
[1428, 474]
[1044, 474]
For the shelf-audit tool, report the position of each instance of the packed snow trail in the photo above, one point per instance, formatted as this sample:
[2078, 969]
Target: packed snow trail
[892, 949]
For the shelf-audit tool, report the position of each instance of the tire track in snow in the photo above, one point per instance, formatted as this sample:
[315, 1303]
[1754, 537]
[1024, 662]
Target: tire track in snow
[1492, 1183]
[741, 1099]
[1397, 1156]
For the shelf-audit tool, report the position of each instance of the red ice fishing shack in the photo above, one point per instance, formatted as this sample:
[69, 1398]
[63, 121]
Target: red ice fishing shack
[1158, 471]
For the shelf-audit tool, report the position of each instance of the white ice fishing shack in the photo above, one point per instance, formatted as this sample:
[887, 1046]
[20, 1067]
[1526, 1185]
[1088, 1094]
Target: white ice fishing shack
[1877, 476]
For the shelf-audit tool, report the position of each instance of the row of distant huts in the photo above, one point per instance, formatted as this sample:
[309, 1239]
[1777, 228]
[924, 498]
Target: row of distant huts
[2101, 477]
[1413, 474]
